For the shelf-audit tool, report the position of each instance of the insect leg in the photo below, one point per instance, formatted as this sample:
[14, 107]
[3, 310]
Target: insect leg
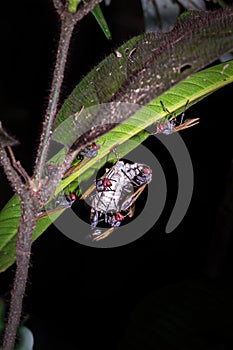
[182, 115]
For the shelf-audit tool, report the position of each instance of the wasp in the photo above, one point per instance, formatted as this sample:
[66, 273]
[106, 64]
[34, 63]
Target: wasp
[117, 183]
[88, 152]
[60, 202]
[115, 219]
[116, 193]
[169, 126]
[104, 185]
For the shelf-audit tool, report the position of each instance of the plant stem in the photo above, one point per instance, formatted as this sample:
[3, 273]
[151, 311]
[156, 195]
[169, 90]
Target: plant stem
[67, 27]
[68, 22]
[12, 176]
[23, 248]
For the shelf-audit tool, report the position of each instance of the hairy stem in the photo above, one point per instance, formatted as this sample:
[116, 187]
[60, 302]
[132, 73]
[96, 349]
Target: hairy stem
[12, 176]
[68, 22]
[23, 248]
[65, 36]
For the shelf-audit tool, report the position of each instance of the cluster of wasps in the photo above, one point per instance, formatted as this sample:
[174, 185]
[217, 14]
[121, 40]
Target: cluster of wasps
[115, 195]
[117, 191]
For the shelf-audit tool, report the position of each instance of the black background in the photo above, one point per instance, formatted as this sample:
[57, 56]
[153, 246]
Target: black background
[77, 294]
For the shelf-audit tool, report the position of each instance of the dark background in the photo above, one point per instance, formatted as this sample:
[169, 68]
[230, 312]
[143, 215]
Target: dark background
[77, 294]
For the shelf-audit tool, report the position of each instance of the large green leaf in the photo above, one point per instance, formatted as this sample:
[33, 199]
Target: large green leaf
[87, 92]
[193, 89]
[148, 65]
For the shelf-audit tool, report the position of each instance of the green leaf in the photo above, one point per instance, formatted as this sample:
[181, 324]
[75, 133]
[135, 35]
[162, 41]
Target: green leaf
[192, 89]
[146, 66]
[98, 14]
[124, 137]
[100, 84]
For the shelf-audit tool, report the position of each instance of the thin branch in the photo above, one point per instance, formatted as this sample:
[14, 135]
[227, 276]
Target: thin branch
[65, 36]
[58, 6]
[12, 176]
[17, 165]
[69, 21]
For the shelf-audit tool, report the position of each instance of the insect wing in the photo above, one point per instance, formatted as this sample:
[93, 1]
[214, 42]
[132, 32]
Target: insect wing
[132, 198]
[103, 235]
[49, 212]
[60, 203]
[74, 168]
[131, 211]
[187, 124]
[108, 232]
[88, 192]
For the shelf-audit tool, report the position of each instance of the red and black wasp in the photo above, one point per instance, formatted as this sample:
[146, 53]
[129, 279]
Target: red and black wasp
[169, 126]
[116, 194]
